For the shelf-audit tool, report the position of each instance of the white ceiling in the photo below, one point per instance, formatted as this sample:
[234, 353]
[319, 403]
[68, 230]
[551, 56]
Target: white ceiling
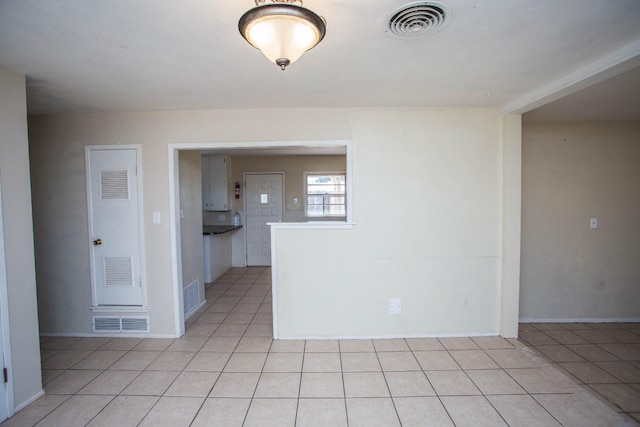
[516, 55]
[617, 98]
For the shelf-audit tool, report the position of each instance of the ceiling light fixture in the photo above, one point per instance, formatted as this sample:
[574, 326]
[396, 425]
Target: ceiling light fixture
[283, 30]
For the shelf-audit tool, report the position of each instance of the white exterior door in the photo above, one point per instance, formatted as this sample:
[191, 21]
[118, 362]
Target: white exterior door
[263, 204]
[114, 226]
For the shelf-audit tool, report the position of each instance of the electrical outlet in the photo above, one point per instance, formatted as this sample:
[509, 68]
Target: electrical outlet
[395, 306]
[600, 284]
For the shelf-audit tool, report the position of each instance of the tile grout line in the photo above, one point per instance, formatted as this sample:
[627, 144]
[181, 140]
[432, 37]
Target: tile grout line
[433, 387]
[384, 376]
[473, 382]
[174, 380]
[304, 345]
[523, 388]
[226, 363]
[344, 387]
[599, 346]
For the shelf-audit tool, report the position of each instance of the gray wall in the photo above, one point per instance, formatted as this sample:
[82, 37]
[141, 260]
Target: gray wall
[18, 238]
[573, 172]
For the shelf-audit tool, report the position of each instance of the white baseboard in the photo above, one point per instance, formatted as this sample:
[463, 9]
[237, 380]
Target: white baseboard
[195, 309]
[106, 335]
[384, 337]
[28, 401]
[581, 320]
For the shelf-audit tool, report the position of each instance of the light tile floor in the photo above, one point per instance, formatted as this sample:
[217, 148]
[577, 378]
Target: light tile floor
[227, 371]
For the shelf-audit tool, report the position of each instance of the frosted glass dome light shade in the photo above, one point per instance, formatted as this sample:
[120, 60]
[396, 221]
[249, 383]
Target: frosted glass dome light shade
[282, 32]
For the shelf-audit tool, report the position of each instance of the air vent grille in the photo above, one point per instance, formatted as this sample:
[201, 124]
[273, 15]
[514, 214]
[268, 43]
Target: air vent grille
[191, 298]
[121, 324]
[416, 20]
[106, 324]
[135, 324]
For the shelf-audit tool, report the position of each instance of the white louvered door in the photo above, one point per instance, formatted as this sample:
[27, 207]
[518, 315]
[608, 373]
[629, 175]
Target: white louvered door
[114, 227]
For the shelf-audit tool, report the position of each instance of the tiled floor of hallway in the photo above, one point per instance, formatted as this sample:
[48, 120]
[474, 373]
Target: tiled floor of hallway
[227, 371]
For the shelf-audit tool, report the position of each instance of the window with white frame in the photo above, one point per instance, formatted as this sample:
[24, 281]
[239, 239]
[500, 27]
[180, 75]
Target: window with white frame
[325, 194]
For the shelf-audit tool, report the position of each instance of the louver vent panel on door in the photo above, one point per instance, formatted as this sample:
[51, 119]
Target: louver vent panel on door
[114, 184]
[118, 271]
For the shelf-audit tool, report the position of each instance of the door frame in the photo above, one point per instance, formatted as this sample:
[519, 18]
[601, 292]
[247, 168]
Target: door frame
[244, 207]
[174, 199]
[4, 321]
[94, 301]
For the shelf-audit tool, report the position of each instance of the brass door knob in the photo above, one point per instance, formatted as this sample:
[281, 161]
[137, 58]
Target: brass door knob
[97, 242]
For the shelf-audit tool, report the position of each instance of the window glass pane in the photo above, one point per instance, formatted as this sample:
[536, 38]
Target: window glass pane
[326, 195]
[336, 210]
[325, 189]
[315, 210]
[325, 179]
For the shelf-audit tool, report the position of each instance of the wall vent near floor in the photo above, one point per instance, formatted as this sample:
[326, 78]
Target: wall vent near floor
[120, 324]
[191, 297]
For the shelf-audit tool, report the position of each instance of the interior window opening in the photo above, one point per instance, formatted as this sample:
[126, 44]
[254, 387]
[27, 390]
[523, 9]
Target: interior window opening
[325, 195]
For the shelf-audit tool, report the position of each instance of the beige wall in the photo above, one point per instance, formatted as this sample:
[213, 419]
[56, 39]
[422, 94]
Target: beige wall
[191, 222]
[427, 213]
[511, 224]
[573, 172]
[59, 194]
[426, 203]
[18, 238]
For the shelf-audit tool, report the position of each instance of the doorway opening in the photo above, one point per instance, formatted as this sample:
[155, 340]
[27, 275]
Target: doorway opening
[261, 150]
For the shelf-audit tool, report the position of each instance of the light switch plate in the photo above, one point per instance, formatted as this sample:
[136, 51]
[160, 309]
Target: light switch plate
[593, 223]
[156, 217]
[395, 306]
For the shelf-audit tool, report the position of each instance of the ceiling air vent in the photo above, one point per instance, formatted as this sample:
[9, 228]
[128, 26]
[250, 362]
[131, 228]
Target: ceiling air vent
[415, 20]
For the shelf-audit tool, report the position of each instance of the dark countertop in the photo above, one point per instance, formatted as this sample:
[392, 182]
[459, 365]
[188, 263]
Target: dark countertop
[218, 229]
